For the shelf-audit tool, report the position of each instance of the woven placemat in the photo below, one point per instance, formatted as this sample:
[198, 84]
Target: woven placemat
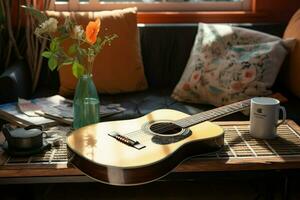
[240, 144]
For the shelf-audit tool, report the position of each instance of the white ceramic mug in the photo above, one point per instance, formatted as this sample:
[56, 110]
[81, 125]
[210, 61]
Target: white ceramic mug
[264, 116]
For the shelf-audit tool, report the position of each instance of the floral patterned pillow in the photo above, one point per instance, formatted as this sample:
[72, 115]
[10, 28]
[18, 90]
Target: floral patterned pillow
[228, 64]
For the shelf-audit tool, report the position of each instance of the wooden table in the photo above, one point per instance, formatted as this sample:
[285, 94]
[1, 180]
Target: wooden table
[241, 152]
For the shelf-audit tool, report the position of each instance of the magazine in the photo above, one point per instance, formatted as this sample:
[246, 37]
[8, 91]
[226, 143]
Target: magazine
[48, 111]
[11, 113]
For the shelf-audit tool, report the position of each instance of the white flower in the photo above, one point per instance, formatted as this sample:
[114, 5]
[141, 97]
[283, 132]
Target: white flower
[78, 32]
[48, 26]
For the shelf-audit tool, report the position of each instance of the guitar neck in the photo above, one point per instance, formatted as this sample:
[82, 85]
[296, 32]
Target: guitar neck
[213, 114]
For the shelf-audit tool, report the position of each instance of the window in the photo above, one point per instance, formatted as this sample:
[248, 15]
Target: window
[153, 5]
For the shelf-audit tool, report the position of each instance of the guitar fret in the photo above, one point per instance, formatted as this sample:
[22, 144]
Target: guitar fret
[218, 112]
[207, 115]
[212, 114]
[203, 118]
[190, 120]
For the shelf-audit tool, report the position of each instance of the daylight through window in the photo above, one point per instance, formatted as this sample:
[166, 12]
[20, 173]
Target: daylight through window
[153, 5]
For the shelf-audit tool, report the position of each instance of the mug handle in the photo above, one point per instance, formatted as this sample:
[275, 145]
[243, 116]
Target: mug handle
[283, 115]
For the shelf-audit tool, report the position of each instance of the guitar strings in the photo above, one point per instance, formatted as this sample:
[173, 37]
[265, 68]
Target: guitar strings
[133, 135]
[171, 125]
[160, 128]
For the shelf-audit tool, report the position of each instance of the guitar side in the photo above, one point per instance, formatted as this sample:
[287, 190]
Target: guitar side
[104, 158]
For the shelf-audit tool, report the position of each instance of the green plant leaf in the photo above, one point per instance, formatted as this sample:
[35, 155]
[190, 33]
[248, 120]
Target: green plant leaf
[54, 45]
[52, 63]
[47, 54]
[77, 69]
[67, 62]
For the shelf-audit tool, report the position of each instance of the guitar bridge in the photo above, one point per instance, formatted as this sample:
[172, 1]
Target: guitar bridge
[126, 140]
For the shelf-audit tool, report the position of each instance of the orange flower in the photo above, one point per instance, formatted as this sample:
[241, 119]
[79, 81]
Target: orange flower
[92, 30]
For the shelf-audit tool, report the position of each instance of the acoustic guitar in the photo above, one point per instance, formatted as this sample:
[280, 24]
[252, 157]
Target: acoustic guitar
[138, 151]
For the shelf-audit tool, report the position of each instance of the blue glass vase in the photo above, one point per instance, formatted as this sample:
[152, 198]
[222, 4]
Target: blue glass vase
[85, 103]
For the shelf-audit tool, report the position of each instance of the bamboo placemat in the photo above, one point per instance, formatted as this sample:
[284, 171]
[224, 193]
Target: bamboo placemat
[55, 155]
[240, 144]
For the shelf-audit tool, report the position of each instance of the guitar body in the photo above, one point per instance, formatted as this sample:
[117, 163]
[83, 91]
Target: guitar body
[95, 151]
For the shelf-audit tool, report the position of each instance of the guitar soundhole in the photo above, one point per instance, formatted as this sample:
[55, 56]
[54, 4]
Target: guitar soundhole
[165, 128]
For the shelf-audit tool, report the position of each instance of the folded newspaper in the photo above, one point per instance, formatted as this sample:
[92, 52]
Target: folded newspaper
[47, 111]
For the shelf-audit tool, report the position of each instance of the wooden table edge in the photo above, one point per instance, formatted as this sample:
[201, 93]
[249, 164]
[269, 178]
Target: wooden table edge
[190, 165]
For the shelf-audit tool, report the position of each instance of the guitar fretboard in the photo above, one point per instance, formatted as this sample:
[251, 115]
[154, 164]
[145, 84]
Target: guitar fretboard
[213, 114]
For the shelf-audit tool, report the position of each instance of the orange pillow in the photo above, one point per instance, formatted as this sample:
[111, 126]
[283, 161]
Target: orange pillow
[117, 68]
[292, 72]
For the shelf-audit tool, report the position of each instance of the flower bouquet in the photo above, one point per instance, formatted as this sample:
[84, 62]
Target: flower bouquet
[80, 55]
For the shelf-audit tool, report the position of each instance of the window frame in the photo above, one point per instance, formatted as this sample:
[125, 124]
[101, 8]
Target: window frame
[261, 11]
[94, 5]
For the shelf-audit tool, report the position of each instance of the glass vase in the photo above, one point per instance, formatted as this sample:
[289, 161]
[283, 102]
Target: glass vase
[86, 102]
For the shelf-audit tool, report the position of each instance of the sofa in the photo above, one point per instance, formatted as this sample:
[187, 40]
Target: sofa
[165, 50]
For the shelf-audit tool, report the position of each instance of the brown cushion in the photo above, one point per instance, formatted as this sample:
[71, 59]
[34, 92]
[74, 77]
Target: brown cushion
[117, 68]
[292, 72]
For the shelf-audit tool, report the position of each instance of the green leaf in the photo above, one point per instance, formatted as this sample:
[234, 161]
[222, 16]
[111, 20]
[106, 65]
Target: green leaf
[52, 63]
[77, 69]
[47, 54]
[72, 49]
[67, 63]
[54, 45]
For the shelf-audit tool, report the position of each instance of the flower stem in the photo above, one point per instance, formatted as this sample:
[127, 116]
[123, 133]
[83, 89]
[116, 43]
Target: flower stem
[90, 64]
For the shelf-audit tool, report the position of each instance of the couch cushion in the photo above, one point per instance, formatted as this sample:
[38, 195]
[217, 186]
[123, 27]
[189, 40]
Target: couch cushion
[229, 64]
[117, 68]
[141, 103]
[292, 71]
[165, 50]
[138, 104]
